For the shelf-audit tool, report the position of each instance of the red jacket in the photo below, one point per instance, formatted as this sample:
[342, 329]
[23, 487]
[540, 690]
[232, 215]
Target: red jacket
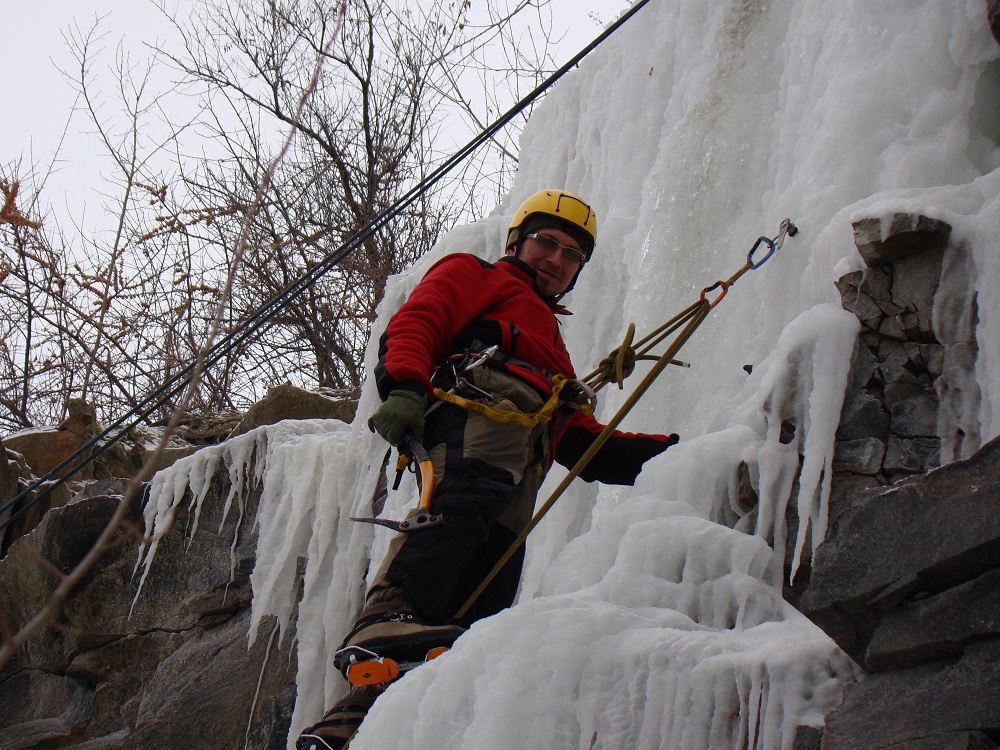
[463, 299]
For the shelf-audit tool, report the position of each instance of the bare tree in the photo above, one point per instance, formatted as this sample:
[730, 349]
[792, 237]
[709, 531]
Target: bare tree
[363, 142]
[27, 269]
[85, 315]
[366, 137]
[504, 52]
[111, 316]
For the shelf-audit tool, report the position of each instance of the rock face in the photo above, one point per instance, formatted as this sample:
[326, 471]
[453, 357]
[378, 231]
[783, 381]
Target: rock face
[907, 363]
[173, 670]
[907, 581]
[911, 385]
[36, 452]
[993, 12]
[288, 402]
[165, 667]
[902, 564]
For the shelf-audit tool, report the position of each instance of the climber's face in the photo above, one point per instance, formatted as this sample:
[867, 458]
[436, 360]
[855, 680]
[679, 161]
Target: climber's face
[555, 257]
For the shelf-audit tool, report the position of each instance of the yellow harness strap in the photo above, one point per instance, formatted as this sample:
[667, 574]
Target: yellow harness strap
[542, 416]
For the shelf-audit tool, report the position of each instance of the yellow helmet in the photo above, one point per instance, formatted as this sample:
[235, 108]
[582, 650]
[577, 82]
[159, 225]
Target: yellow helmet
[556, 208]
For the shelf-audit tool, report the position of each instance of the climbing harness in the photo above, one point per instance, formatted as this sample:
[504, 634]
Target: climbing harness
[620, 363]
[568, 393]
[577, 391]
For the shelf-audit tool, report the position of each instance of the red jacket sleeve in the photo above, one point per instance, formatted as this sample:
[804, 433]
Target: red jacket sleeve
[419, 336]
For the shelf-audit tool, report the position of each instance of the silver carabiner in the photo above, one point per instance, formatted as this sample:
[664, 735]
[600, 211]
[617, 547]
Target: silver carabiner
[579, 395]
[478, 359]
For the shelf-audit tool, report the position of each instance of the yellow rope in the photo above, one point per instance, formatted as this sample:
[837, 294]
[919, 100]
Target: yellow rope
[526, 419]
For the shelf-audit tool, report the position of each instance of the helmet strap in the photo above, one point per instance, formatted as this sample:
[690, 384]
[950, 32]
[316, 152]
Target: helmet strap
[572, 283]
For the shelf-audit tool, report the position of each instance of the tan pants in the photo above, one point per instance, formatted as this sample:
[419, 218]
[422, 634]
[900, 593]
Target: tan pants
[487, 478]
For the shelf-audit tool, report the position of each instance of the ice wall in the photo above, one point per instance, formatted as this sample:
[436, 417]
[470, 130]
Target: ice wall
[642, 623]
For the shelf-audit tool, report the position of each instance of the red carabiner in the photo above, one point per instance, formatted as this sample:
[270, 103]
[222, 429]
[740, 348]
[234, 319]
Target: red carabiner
[706, 290]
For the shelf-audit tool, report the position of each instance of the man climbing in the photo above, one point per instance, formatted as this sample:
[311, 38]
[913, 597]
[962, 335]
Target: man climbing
[466, 365]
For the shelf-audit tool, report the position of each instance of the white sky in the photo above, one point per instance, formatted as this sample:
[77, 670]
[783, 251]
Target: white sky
[37, 49]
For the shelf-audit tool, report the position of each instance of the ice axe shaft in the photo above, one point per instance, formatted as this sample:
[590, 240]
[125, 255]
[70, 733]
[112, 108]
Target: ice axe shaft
[421, 517]
[424, 466]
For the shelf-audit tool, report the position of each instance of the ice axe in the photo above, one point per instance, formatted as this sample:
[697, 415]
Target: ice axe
[410, 450]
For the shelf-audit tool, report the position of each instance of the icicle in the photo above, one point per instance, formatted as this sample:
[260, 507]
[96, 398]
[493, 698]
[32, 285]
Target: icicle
[167, 490]
[803, 388]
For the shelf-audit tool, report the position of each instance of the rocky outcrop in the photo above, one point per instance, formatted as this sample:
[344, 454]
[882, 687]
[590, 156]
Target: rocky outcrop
[911, 574]
[911, 380]
[288, 402]
[36, 452]
[993, 13]
[937, 706]
[908, 584]
[911, 374]
[908, 577]
[45, 448]
[40, 450]
[906, 358]
[167, 666]
[14, 474]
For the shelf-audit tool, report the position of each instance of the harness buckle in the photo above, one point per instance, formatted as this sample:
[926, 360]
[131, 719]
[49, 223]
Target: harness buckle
[578, 395]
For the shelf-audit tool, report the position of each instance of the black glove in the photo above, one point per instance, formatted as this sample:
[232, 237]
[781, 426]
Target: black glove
[403, 410]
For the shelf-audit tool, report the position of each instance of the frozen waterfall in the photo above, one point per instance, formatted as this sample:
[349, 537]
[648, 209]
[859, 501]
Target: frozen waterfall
[642, 621]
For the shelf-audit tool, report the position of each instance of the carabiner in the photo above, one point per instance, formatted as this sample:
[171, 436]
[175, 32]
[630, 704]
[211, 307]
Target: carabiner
[760, 241]
[477, 359]
[578, 395]
[725, 290]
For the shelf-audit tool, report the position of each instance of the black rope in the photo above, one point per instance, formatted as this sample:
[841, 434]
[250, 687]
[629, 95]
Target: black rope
[256, 320]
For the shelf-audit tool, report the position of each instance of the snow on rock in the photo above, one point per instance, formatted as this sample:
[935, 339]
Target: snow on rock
[643, 623]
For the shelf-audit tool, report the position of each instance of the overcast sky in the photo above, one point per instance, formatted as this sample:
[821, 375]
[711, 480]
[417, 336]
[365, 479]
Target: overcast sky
[39, 100]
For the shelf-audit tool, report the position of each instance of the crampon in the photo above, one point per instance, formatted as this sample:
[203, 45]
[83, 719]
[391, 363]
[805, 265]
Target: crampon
[364, 667]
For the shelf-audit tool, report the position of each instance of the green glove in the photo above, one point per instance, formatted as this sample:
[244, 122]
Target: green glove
[403, 410]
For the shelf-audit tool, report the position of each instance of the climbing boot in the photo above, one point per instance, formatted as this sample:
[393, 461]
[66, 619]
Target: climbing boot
[390, 643]
[341, 722]
[389, 638]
